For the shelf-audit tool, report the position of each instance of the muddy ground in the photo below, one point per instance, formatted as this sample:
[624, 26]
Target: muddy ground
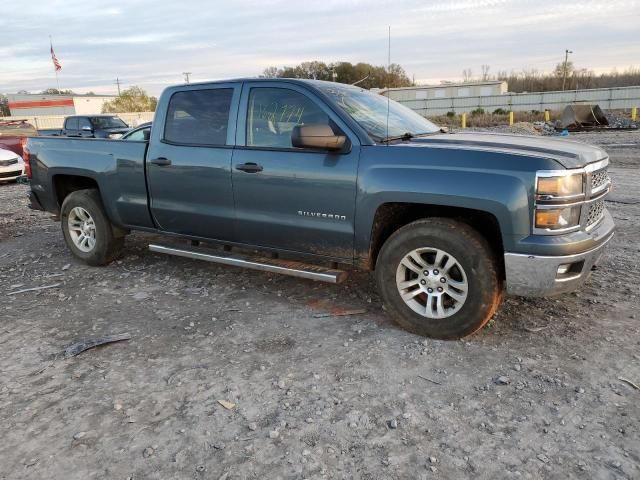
[315, 395]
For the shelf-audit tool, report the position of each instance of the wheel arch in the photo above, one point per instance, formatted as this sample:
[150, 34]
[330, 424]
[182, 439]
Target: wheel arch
[391, 216]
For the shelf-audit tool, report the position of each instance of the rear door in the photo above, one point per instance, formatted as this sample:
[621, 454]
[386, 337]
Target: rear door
[189, 161]
[290, 198]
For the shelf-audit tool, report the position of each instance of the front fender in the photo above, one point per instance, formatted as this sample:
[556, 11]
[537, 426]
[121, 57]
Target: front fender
[498, 184]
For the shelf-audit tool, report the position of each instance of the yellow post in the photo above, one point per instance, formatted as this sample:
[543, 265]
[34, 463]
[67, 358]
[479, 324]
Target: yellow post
[511, 119]
[547, 117]
[464, 120]
[634, 113]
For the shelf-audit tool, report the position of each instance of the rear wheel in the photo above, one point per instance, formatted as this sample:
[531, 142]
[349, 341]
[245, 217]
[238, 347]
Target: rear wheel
[87, 230]
[438, 278]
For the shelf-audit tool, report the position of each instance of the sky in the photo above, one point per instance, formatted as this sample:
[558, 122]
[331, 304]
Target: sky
[150, 43]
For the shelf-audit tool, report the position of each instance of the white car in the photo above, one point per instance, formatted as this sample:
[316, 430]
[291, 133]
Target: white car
[11, 165]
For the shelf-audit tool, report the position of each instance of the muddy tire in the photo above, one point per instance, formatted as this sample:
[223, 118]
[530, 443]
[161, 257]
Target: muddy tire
[87, 230]
[438, 278]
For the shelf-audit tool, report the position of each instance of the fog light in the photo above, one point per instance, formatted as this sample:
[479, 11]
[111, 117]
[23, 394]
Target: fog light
[564, 268]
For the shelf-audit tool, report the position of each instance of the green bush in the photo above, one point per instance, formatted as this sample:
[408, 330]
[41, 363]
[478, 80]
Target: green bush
[500, 111]
[451, 114]
[477, 111]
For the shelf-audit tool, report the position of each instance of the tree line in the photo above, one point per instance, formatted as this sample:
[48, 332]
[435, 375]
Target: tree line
[364, 75]
[532, 80]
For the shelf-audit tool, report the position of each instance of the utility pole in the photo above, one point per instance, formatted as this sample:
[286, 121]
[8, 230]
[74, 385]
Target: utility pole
[117, 82]
[186, 76]
[564, 69]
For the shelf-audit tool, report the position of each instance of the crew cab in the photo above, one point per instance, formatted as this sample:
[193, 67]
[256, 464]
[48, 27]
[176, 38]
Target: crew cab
[94, 126]
[319, 175]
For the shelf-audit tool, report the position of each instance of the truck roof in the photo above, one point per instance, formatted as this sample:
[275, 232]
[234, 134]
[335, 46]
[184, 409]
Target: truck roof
[302, 81]
[94, 115]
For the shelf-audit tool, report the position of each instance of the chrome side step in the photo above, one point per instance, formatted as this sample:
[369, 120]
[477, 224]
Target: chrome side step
[273, 265]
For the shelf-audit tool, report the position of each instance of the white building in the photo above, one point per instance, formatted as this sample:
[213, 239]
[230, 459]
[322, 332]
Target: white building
[38, 104]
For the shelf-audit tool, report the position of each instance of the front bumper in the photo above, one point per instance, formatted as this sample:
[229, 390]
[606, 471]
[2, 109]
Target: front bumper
[12, 172]
[538, 276]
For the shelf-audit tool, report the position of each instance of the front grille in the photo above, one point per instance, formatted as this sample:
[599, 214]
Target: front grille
[10, 174]
[6, 163]
[596, 212]
[599, 179]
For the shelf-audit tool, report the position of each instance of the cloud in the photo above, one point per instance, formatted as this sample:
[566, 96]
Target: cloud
[151, 42]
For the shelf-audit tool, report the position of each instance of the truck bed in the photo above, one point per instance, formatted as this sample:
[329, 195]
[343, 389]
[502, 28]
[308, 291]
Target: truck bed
[117, 166]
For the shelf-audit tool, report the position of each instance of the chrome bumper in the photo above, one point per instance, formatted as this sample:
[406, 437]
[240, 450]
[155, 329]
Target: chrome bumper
[537, 276]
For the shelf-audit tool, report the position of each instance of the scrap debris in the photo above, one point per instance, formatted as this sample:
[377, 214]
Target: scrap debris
[226, 404]
[55, 285]
[340, 313]
[79, 347]
[629, 382]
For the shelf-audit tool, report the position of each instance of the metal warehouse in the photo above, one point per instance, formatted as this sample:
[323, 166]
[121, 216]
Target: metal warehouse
[446, 90]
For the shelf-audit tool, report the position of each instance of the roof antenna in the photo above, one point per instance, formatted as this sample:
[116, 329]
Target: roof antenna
[387, 82]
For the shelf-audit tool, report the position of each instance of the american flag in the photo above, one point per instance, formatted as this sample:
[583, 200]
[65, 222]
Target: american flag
[54, 59]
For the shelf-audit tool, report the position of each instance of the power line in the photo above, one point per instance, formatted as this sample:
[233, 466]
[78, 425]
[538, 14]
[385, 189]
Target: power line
[117, 82]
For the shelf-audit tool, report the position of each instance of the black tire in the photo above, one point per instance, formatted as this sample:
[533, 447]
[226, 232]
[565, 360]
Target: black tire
[471, 251]
[109, 241]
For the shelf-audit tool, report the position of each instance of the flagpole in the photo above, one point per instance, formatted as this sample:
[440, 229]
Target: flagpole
[54, 68]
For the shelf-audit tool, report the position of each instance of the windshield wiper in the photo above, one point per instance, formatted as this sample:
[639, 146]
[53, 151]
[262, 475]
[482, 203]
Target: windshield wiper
[408, 136]
[404, 136]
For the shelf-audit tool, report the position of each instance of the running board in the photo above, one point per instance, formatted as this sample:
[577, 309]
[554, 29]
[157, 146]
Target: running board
[273, 265]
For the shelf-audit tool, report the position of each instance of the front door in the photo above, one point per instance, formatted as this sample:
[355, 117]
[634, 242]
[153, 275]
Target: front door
[189, 162]
[290, 198]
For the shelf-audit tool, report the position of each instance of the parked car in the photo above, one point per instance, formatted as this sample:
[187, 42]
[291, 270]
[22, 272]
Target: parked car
[14, 133]
[139, 134]
[11, 165]
[334, 174]
[94, 126]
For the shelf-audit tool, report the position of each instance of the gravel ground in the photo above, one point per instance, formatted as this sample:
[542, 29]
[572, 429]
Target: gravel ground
[545, 391]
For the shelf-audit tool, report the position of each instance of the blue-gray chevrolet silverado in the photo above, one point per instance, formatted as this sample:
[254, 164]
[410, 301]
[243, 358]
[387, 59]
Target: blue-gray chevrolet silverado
[316, 175]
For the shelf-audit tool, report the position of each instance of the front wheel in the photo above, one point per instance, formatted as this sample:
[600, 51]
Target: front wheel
[438, 278]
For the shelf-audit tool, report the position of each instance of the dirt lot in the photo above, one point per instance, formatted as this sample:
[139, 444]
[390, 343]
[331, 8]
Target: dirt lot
[536, 394]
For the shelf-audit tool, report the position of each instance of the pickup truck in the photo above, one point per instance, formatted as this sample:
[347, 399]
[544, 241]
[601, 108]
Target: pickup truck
[94, 126]
[319, 175]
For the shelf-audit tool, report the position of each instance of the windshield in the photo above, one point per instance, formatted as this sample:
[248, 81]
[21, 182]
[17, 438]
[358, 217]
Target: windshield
[107, 122]
[370, 111]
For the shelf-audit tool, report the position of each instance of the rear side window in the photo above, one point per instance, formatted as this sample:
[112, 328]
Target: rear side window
[199, 117]
[71, 123]
[84, 122]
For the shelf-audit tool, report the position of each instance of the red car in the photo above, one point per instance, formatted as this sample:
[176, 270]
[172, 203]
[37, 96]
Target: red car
[14, 134]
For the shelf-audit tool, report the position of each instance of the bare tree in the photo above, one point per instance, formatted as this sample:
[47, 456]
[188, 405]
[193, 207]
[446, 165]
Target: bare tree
[485, 72]
[467, 75]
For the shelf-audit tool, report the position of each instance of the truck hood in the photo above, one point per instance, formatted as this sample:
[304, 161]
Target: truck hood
[6, 154]
[568, 153]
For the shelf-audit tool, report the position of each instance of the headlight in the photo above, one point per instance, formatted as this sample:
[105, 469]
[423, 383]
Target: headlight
[560, 186]
[558, 218]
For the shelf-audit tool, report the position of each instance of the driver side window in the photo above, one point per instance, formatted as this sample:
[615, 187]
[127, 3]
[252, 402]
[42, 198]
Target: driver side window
[273, 112]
